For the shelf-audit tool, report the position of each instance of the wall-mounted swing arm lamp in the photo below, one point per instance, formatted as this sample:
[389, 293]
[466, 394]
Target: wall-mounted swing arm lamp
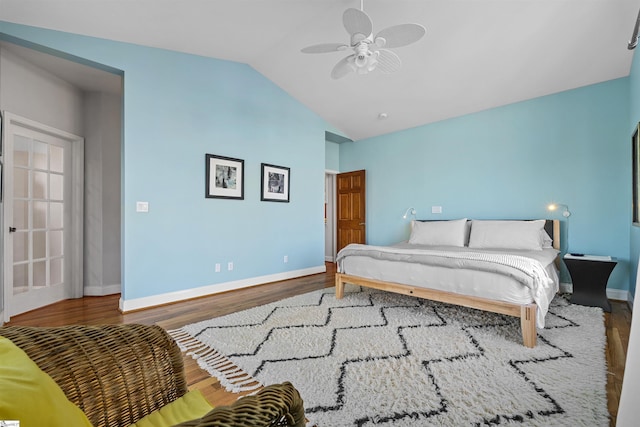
[410, 211]
[556, 206]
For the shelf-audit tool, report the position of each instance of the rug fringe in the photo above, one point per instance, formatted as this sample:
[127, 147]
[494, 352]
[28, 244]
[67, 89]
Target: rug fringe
[231, 377]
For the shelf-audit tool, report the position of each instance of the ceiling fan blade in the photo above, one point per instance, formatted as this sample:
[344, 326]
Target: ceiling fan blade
[388, 62]
[357, 22]
[325, 48]
[401, 35]
[342, 68]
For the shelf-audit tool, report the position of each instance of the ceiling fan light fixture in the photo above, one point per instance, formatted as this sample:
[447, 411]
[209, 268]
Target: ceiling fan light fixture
[364, 62]
[380, 41]
[358, 38]
[368, 53]
[361, 60]
[373, 61]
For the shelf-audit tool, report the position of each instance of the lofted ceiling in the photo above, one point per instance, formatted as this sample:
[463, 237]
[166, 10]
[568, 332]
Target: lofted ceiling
[476, 54]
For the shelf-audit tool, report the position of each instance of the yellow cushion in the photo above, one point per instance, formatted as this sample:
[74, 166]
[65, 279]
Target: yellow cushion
[191, 406]
[30, 395]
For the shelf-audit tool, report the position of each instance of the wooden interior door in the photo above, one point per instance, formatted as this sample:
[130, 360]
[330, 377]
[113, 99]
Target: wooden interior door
[351, 208]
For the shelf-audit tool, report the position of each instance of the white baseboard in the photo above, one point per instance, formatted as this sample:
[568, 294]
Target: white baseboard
[146, 302]
[616, 294]
[98, 291]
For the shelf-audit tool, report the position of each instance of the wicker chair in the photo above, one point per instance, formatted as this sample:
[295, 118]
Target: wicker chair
[117, 374]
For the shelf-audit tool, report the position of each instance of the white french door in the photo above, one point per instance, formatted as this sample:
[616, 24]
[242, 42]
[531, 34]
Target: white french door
[43, 182]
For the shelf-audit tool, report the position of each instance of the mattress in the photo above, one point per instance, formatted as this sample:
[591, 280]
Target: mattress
[473, 283]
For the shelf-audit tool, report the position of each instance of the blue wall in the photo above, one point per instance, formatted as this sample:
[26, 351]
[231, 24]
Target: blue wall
[177, 107]
[332, 156]
[634, 118]
[510, 162]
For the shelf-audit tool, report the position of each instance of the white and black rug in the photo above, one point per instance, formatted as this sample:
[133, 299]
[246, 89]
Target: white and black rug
[379, 358]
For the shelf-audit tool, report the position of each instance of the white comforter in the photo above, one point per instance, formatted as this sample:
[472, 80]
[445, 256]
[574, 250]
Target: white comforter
[526, 267]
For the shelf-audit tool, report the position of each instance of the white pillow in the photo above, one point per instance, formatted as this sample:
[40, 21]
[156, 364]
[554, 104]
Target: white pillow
[438, 233]
[525, 235]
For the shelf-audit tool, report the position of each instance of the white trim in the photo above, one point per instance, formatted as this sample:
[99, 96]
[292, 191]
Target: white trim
[170, 297]
[98, 291]
[334, 212]
[617, 294]
[77, 217]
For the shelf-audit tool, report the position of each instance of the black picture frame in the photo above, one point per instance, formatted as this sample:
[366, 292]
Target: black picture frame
[224, 177]
[274, 183]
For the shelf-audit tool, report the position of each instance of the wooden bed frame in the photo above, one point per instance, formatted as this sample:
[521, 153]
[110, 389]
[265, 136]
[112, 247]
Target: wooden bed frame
[526, 312]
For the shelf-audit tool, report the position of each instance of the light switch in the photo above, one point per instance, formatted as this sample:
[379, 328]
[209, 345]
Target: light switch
[436, 209]
[142, 206]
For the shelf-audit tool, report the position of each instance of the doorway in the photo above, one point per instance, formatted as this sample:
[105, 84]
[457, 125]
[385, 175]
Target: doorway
[330, 229]
[344, 211]
[42, 215]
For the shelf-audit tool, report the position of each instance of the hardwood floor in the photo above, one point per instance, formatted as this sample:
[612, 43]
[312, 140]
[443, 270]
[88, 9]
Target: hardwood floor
[104, 310]
[618, 327]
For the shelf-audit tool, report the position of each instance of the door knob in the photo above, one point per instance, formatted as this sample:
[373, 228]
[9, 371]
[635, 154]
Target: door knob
[12, 229]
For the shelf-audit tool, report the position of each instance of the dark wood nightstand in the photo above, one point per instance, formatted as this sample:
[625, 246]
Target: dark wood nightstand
[589, 275]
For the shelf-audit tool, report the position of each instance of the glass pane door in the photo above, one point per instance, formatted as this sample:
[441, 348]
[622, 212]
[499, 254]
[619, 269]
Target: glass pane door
[38, 213]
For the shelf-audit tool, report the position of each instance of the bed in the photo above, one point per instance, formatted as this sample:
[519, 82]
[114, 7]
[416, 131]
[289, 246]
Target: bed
[502, 266]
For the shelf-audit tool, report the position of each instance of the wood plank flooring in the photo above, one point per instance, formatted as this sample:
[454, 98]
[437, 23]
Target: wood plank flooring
[104, 310]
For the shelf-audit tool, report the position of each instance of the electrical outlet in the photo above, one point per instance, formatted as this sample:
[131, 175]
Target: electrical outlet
[230, 266]
[142, 206]
[217, 267]
[286, 258]
[436, 209]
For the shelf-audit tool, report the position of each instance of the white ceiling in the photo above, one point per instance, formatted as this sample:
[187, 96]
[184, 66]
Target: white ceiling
[477, 54]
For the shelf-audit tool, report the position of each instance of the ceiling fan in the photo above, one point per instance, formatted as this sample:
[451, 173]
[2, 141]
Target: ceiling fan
[368, 49]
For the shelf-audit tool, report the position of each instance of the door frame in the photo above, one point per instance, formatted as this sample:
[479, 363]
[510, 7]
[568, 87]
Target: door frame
[76, 274]
[331, 226]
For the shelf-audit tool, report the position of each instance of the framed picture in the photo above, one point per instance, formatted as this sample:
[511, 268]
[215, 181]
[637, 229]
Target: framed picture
[275, 183]
[635, 155]
[224, 177]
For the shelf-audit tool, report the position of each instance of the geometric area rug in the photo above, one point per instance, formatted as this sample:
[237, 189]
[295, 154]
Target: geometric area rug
[378, 358]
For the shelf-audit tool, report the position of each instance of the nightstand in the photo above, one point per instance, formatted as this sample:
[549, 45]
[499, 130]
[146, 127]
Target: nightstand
[590, 274]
